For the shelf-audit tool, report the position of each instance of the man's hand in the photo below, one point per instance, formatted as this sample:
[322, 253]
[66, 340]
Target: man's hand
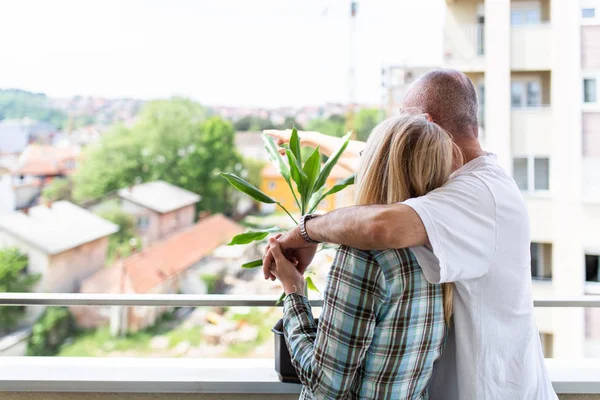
[291, 280]
[294, 248]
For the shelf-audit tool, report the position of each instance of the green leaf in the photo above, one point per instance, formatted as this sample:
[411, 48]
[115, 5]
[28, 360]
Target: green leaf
[252, 264]
[312, 166]
[311, 285]
[328, 167]
[295, 146]
[276, 158]
[248, 237]
[248, 188]
[341, 185]
[297, 173]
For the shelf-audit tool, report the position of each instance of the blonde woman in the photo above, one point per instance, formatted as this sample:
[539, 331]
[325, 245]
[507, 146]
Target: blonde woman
[383, 325]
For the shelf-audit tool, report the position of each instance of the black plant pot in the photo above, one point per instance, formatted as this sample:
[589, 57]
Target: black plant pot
[283, 361]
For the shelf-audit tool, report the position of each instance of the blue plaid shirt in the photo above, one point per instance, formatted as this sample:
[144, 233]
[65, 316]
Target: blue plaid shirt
[380, 331]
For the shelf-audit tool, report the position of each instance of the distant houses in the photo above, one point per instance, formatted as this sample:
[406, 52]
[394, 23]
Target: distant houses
[37, 166]
[64, 243]
[163, 268]
[159, 208]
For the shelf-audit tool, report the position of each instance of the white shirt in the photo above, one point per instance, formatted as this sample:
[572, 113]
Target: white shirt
[478, 228]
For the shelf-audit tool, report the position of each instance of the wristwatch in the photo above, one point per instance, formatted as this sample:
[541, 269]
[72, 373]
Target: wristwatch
[303, 232]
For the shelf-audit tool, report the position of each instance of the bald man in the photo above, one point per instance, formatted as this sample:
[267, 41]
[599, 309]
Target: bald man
[473, 231]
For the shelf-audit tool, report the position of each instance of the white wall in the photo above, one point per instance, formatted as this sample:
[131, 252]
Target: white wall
[7, 195]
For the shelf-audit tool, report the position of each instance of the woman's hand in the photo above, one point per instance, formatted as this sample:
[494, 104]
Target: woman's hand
[285, 270]
[283, 137]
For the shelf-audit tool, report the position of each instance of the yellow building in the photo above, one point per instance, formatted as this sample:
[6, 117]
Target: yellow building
[275, 186]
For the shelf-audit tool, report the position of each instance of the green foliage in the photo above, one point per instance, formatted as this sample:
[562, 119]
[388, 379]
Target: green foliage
[121, 241]
[335, 125]
[172, 141]
[252, 123]
[364, 122]
[309, 179]
[50, 332]
[211, 281]
[58, 189]
[289, 122]
[21, 104]
[14, 278]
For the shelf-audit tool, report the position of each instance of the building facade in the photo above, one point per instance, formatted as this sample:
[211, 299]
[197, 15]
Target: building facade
[535, 65]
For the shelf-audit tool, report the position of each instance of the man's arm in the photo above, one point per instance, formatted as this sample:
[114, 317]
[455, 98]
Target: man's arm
[375, 227]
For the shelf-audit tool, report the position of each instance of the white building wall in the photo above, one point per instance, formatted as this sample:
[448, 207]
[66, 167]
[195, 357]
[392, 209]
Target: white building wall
[7, 195]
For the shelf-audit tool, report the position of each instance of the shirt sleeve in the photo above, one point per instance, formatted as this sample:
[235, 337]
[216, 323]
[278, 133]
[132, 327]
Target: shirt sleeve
[328, 360]
[460, 220]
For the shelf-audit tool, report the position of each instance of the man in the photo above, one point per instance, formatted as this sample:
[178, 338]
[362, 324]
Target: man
[473, 231]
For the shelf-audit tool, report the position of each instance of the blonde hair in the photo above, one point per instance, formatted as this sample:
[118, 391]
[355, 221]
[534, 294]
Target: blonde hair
[406, 156]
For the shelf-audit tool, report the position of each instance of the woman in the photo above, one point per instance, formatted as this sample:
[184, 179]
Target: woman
[383, 325]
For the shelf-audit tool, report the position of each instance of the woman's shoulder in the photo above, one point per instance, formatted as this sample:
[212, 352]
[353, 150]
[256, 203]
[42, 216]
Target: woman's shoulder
[398, 259]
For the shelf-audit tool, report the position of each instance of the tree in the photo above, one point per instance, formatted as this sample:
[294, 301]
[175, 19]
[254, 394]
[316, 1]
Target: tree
[289, 123]
[18, 104]
[124, 241]
[172, 141]
[364, 122]
[334, 125]
[58, 189]
[253, 170]
[14, 278]
[252, 123]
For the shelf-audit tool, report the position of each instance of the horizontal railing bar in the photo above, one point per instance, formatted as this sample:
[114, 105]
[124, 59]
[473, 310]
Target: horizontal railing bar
[207, 300]
[113, 299]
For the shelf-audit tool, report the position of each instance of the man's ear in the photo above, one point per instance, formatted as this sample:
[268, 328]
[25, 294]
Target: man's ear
[428, 117]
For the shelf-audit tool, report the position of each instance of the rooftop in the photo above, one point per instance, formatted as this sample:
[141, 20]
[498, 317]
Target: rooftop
[164, 260]
[159, 196]
[57, 228]
[45, 160]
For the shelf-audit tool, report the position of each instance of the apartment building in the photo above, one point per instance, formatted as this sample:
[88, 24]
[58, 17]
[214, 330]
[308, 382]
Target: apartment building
[536, 66]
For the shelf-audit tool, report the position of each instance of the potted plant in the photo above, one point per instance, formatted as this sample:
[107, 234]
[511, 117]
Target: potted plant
[306, 182]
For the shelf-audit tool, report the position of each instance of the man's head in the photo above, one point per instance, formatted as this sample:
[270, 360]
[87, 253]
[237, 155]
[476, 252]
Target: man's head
[449, 97]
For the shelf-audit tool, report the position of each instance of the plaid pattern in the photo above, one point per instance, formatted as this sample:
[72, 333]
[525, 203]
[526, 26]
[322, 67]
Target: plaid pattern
[381, 329]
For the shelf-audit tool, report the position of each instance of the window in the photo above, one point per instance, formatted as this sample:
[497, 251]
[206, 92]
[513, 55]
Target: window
[589, 90]
[532, 174]
[142, 222]
[517, 94]
[525, 17]
[588, 12]
[541, 261]
[481, 97]
[272, 185]
[480, 35]
[533, 94]
[520, 173]
[541, 173]
[592, 268]
[525, 94]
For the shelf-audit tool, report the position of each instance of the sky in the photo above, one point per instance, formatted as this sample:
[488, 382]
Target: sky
[220, 52]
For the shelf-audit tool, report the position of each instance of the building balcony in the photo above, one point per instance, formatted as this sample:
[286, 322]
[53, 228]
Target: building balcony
[531, 47]
[48, 378]
[531, 129]
[464, 47]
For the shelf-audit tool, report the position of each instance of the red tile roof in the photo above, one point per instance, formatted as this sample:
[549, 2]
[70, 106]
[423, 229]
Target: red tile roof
[45, 160]
[165, 259]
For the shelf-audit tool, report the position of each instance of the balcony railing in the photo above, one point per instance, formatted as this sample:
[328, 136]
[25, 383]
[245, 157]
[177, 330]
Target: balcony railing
[211, 378]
